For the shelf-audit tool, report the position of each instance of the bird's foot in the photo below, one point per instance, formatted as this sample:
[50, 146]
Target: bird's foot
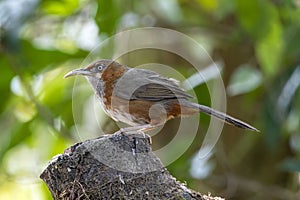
[134, 132]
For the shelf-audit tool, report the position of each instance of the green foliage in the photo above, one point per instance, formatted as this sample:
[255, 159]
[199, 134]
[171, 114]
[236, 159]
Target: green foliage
[108, 15]
[60, 7]
[256, 17]
[261, 21]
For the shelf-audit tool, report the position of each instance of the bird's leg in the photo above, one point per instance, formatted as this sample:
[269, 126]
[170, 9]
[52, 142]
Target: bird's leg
[133, 129]
[136, 129]
[140, 129]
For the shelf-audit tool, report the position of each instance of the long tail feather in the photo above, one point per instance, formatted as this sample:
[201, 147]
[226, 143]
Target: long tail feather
[225, 117]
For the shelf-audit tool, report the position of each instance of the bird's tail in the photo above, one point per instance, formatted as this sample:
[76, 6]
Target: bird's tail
[230, 120]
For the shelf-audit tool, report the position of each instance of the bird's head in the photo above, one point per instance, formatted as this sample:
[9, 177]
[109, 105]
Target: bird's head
[94, 69]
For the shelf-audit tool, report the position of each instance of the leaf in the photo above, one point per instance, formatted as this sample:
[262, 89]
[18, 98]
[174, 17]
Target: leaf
[244, 79]
[260, 19]
[269, 50]
[107, 16]
[62, 7]
[38, 59]
[208, 5]
[255, 16]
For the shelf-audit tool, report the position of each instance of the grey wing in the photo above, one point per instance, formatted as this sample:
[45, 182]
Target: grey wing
[140, 84]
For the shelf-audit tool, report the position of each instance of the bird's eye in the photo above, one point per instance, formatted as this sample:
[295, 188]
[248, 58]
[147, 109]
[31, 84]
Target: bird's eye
[100, 67]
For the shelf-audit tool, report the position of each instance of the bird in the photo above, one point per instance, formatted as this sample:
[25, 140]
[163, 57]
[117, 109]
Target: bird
[142, 98]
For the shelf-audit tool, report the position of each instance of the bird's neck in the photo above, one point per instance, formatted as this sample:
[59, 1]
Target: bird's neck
[113, 72]
[104, 86]
[110, 76]
[97, 85]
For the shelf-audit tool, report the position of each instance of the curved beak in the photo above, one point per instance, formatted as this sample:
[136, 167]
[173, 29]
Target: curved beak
[80, 71]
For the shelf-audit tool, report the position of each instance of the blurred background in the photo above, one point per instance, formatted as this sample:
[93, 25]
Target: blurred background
[257, 42]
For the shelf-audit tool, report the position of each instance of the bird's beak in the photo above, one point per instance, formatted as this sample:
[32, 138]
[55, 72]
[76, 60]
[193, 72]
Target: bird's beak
[80, 71]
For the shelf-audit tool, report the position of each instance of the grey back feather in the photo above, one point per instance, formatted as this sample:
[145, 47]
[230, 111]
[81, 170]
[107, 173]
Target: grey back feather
[141, 84]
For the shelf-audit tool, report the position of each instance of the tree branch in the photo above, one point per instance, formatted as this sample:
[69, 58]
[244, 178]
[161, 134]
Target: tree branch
[114, 166]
